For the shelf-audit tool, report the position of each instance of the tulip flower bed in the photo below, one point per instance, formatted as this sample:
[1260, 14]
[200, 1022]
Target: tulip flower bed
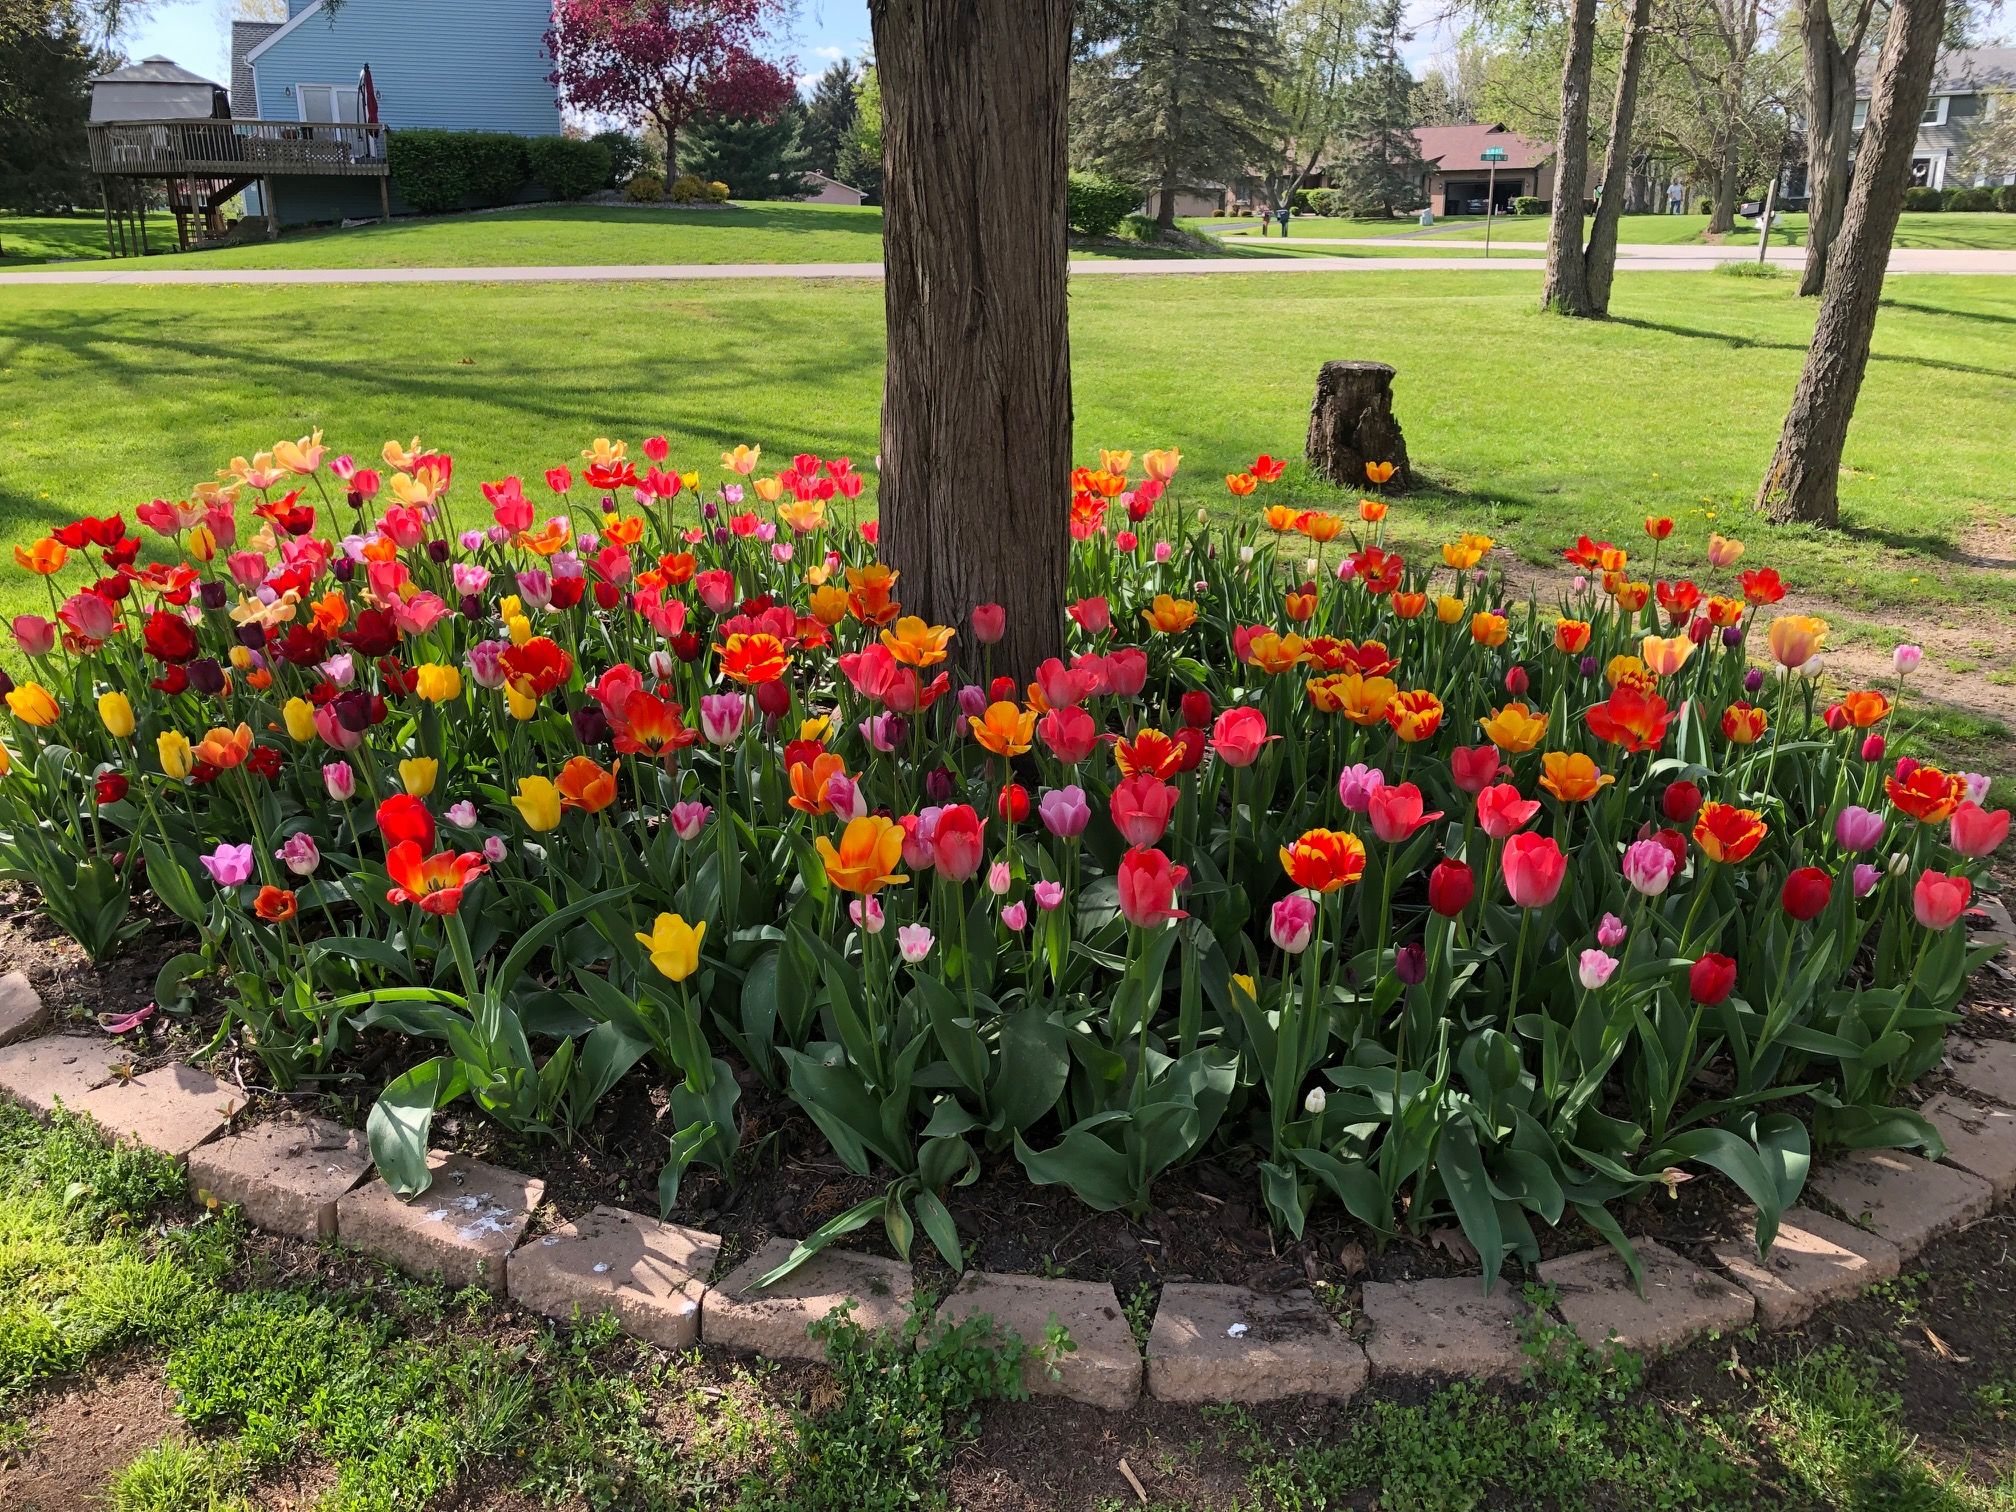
[1436, 906]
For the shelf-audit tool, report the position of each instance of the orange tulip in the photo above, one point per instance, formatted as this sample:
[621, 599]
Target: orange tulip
[809, 780]
[1299, 607]
[1379, 472]
[1572, 777]
[829, 604]
[1723, 612]
[275, 905]
[32, 704]
[1320, 527]
[1281, 518]
[1865, 708]
[1514, 728]
[1631, 597]
[225, 749]
[548, 540]
[1408, 606]
[1324, 860]
[1796, 639]
[585, 786]
[1275, 654]
[1659, 527]
[866, 859]
[45, 558]
[751, 659]
[1005, 729]
[1744, 724]
[871, 594]
[1170, 616]
[1371, 511]
[1415, 715]
[1665, 656]
[1571, 637]
[1489, 629]
[1241, 483]
[916, 644]
[1927, 794]
[1728, 833]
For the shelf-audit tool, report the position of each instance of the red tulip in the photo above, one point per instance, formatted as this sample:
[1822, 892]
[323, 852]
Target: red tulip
[1148, 884]
[1141, 806]
[990, 623]
[1711, 979]
[1474, 768]
[1534, 869]
[1939, 900]
[1012, 803]
[1396, 811]
[1070, 734]
[1196, 709]
[1806, 893]
[1976, 832]
[1680, 802]
[1502, 812]
[1451, 886]
[403, 819]
[958, 842]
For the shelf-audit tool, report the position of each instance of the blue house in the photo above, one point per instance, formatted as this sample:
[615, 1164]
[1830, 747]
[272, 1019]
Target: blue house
[459, 65]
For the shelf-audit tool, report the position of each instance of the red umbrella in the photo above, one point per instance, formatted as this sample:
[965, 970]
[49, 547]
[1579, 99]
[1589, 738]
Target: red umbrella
[367, 98]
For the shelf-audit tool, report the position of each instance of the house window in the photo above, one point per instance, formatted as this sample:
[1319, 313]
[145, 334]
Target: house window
[326, 102]
[1861, 114]
[1935, 111]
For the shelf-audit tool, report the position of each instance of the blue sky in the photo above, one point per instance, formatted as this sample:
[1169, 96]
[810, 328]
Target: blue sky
[193, 34]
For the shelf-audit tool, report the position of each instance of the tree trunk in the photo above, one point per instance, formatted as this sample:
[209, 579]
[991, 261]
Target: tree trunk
[1722, 209]
[1802, 484]
[1599, 258]
[976, 407]
[1829, 70]
[1351, 423]
[1567, 285]
[1172, 145]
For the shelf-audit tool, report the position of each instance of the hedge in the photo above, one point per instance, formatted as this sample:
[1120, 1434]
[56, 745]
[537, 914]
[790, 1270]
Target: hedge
[1095, 206]
[1920, 197]
[448, 170]
[567, 169]
[1528, 204]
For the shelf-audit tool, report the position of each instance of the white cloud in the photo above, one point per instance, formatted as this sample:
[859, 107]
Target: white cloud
[833, 53]
[806, 82]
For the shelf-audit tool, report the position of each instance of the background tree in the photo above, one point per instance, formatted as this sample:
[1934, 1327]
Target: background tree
[1719, 83]
[1181, 100]
[976, 407]
[670, 62]
[1318, 42]
[47, 59]
[1378, 161]
[755, 158]
[829, 118]
[1566, 286]
[1802, 483]
[1828, 54]
[1599, 257]
[861, 154]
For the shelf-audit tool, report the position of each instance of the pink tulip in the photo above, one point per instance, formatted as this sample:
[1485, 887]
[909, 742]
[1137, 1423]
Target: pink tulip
[689, 818]
[35, 635]
[1356, 785]
[1976, 832]
[1141, 806]
[1866, 878]
[1396, 812]
[1239, 736]
[867, 915]
[333, 732]
[229, 865]
[1070, 734]
[990, 623]
[1148, 883]
[1857, 829]
[1938, 900]
[1016, 917]
[339, 781]
[1612, 932]
[1292, 923]
[1064, 812]
[1000, 877]
[1049, 895]
[721, 717]
[1474, 768]
[914, 941]
[1594, 968]
[299, 854]
[1501, 812]
[1063, 687]
[716, 589]
[1534, 868]
[1094, 615]
[958, 841]
[1649, 867]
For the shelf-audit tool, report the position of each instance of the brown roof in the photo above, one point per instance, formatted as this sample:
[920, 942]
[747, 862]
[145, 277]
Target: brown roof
[1459, 147]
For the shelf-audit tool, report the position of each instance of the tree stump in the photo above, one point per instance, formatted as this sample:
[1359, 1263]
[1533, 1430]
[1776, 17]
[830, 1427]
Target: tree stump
[1352, 423]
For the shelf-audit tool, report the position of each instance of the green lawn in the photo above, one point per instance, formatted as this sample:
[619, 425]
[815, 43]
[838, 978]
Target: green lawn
[1967, 231]
[26, 239]
[1529, 427]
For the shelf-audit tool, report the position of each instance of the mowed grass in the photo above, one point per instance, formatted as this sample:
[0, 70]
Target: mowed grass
[1927, 229]
[1532, 428]
[26, 239]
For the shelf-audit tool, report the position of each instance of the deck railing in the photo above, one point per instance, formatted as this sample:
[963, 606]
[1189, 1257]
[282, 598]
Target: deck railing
[237, 148]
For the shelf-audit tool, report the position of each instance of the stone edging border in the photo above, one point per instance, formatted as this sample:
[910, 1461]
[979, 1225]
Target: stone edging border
[1207, 1343]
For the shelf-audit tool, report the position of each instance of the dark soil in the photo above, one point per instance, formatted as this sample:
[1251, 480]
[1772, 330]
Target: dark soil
[86, 1434]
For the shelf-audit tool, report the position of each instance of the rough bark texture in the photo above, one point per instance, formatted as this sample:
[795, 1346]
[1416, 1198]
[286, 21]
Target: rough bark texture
[1829, 70]
[1352, 422]
[1803, 480]
[1599, 258]
[976, 407]
[1172, 173]
[1567, 285]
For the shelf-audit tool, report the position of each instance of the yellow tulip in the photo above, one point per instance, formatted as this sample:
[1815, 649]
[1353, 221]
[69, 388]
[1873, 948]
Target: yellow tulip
[522, 706]
[6, 759]
[1514, 728]
[1449, 610]
[1162, 463]
[1796, 638]
[437, 682]
[33, 705]
[178, 757]
[203, 543]
[299, 716]
[417, 775]
[538, 803]
[115, 712]
[674, 945]
[519, 628]
[1665, 656]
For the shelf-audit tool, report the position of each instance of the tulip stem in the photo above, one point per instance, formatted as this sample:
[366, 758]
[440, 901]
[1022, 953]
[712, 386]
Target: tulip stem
[1518, 964]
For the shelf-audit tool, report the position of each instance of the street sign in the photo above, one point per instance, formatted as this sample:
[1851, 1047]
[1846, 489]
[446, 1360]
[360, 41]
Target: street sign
[1494, 154]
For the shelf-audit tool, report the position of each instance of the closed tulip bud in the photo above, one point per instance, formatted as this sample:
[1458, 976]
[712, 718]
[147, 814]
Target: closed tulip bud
[1594, 968]
[867, 915]
[914, 941]
[178, 757]
[1612, 932]
[1451, 886]
[1938, 900]
[1857, 829]
[339, 781]
[1680, 802]
[1806, 893]
[591, 724]
[1753, 680]
[1196, 709]
[1732, 637]
[1590, 667]
[940, 786]
[1866, 878]
[1873, 747]
[1292, 923]
[1015, 917]
[115, 712]
[417, 775]
[1711, 979]
[299, 717]
[1000, 878]
[1315, 1102]
[1516, 681]
[215, 593]
[774, 699]
[1012, 803]
[990, 623]
[1410, 964]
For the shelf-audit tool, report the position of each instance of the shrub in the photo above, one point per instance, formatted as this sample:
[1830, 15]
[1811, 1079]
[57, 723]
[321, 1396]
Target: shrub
[1095, 206]
[643, 187]
[1141, 228]
[1302, 202]
[688, 188]
[567, 168]
[1326, 202]
[1920, 197]
[1529, 204]
[2005, 199]
[717, 193]
[450, 170]
[1975, 200]
[628, 156]
[1704, 206]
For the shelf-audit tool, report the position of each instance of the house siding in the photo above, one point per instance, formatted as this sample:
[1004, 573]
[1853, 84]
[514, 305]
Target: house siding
[461, 65]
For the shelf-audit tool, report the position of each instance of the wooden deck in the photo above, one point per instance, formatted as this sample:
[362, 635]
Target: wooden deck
[237, 149]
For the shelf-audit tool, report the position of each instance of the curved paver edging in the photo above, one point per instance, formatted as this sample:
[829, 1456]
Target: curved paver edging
[1207, 1343]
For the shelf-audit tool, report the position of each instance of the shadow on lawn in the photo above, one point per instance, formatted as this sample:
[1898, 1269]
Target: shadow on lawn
[1920, 309]
[1750, 343]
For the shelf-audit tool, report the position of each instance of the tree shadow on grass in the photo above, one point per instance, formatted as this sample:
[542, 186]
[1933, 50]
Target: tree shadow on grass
[1921, 309]
[1739, 343]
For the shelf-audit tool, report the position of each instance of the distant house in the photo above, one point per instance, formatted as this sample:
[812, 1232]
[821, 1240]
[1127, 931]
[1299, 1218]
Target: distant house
[830, 191]
[460, 65]
[1456, 179]
[1970, 84]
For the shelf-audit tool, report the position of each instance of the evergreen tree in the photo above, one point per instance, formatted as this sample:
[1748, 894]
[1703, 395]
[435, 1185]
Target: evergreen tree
[1181, 100]
[46, 64]
[829, 118]
[756, 159]
[861, 155]
[1380, 164]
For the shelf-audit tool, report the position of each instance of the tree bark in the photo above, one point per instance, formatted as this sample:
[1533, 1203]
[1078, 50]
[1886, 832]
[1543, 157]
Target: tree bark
[1599, 258]
[1567, 286]
[1828, 63]
[1722, 207]
[1803, 482]
[1351, 423]
[1172, 145]
[976, 407]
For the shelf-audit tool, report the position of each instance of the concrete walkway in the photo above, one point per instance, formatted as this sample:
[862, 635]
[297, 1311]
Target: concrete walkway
[1702, 255]
[1525, 259]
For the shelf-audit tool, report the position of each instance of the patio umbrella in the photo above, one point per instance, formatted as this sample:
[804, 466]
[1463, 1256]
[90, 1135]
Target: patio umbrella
[367, 98]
